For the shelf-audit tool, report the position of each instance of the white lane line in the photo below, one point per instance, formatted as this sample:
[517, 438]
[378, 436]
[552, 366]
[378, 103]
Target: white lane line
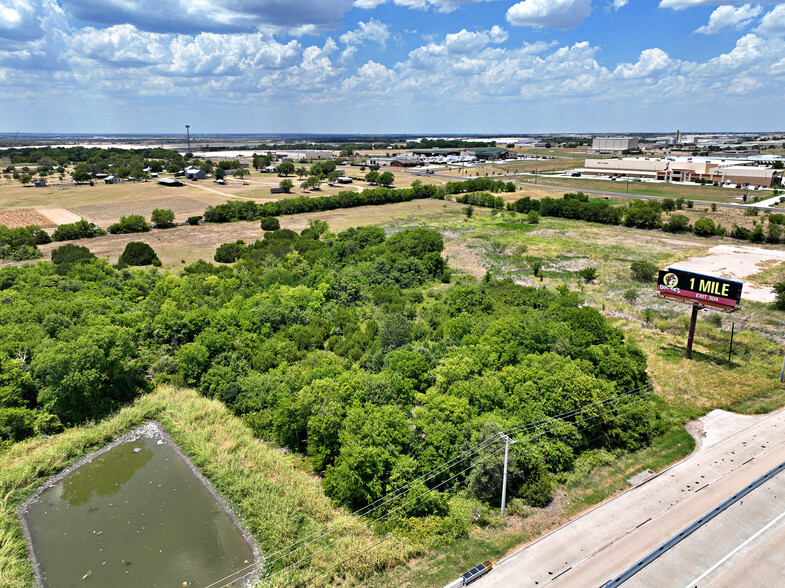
[732, 553]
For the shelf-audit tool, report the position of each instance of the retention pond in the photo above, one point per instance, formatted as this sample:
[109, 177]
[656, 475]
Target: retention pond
[136, 513]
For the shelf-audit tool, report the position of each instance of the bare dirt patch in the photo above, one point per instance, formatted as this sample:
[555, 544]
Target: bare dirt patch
[106, 214]
[23, 217]
[59, 216]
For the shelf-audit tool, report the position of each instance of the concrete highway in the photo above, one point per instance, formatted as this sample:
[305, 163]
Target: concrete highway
[740, 547]
[592, 549]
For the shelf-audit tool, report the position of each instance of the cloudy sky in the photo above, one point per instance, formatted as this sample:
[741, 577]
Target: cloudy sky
[391, 66]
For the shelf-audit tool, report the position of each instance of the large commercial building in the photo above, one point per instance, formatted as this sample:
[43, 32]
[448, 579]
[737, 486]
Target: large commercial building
[687, 169]
[614, 145]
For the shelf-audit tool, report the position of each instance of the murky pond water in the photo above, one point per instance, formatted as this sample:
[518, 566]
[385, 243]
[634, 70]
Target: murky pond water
[135, 515]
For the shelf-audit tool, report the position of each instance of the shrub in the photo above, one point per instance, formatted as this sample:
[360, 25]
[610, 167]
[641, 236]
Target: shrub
[194, 220]
[162, 218]
[588, 274]
[677, 223]
[138, 253]
[134, 223]
[229, 252]
[630, 295]
[757, 235]
[643, 271]
[270, 223]
[740, 233]
[533, 217]
[779, 298]
[705, 227]
[70, 253]
[773, 233]
[78, 230]
[777, 219]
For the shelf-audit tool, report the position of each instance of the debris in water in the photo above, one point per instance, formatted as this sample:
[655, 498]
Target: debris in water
[87, 575]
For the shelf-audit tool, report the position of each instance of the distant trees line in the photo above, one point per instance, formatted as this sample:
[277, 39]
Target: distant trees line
[647, 214]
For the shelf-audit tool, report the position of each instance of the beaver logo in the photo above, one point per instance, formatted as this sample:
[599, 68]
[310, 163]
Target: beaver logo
[670, 280]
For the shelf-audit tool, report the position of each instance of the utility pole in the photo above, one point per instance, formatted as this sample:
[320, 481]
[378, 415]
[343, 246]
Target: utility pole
[188, 136]
[507, 443]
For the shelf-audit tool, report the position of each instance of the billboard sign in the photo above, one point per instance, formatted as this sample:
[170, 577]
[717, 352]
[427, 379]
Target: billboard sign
[699, 288]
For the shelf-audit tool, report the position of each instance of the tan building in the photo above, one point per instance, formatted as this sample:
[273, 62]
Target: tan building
[735, 172]
[614, 145]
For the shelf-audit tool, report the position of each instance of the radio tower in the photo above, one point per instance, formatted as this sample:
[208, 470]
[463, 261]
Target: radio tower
[188, 136]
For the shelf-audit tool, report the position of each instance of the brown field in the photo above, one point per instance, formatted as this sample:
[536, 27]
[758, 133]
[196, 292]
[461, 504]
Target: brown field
[23, 217]
[191, 243]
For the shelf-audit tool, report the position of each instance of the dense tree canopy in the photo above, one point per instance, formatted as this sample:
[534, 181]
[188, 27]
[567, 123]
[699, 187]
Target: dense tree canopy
[345, 347]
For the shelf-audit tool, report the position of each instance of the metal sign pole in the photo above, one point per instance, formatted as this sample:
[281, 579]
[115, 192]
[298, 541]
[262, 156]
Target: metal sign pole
[691, 336]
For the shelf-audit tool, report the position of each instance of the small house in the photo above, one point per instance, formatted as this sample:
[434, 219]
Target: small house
[194, 173]
[112, 180]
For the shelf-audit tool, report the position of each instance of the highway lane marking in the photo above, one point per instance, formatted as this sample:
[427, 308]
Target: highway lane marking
[732, 553]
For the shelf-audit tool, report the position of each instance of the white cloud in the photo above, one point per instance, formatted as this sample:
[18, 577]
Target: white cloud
[27, 20]
[439, 5]
[650, 63]
[679, 4]
[552, 14]
[773, 23]
[371, 31]
[195, 16]
[618, 4]
[373, 78]
[730, 17]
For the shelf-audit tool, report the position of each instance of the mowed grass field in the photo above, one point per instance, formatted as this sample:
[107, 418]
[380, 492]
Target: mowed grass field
[664, 190]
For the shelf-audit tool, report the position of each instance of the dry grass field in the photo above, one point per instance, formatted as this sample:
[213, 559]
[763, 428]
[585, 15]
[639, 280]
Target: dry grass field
[191, 243]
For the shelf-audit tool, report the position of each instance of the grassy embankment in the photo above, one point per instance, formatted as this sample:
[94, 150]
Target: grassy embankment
[278, 501]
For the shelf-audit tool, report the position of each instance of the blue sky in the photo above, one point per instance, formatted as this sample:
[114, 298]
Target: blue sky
[391, 66]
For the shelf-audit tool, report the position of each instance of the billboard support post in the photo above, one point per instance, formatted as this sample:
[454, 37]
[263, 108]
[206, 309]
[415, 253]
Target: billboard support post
[691, 336]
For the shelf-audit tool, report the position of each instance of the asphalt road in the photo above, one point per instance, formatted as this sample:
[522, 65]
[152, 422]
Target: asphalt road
[600, 544]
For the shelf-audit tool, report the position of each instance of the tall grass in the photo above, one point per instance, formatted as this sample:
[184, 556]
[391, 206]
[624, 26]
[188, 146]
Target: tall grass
[275, 497]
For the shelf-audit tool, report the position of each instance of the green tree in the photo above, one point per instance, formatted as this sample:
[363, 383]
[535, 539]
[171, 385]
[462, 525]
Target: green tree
[90, 375]
[162, 218]
[386, 179]
[25, 179]
[286, 185]
[333, 176]
[138, 253]
[705, 227]
[285, 169]
[241, 172]
[372, 177]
